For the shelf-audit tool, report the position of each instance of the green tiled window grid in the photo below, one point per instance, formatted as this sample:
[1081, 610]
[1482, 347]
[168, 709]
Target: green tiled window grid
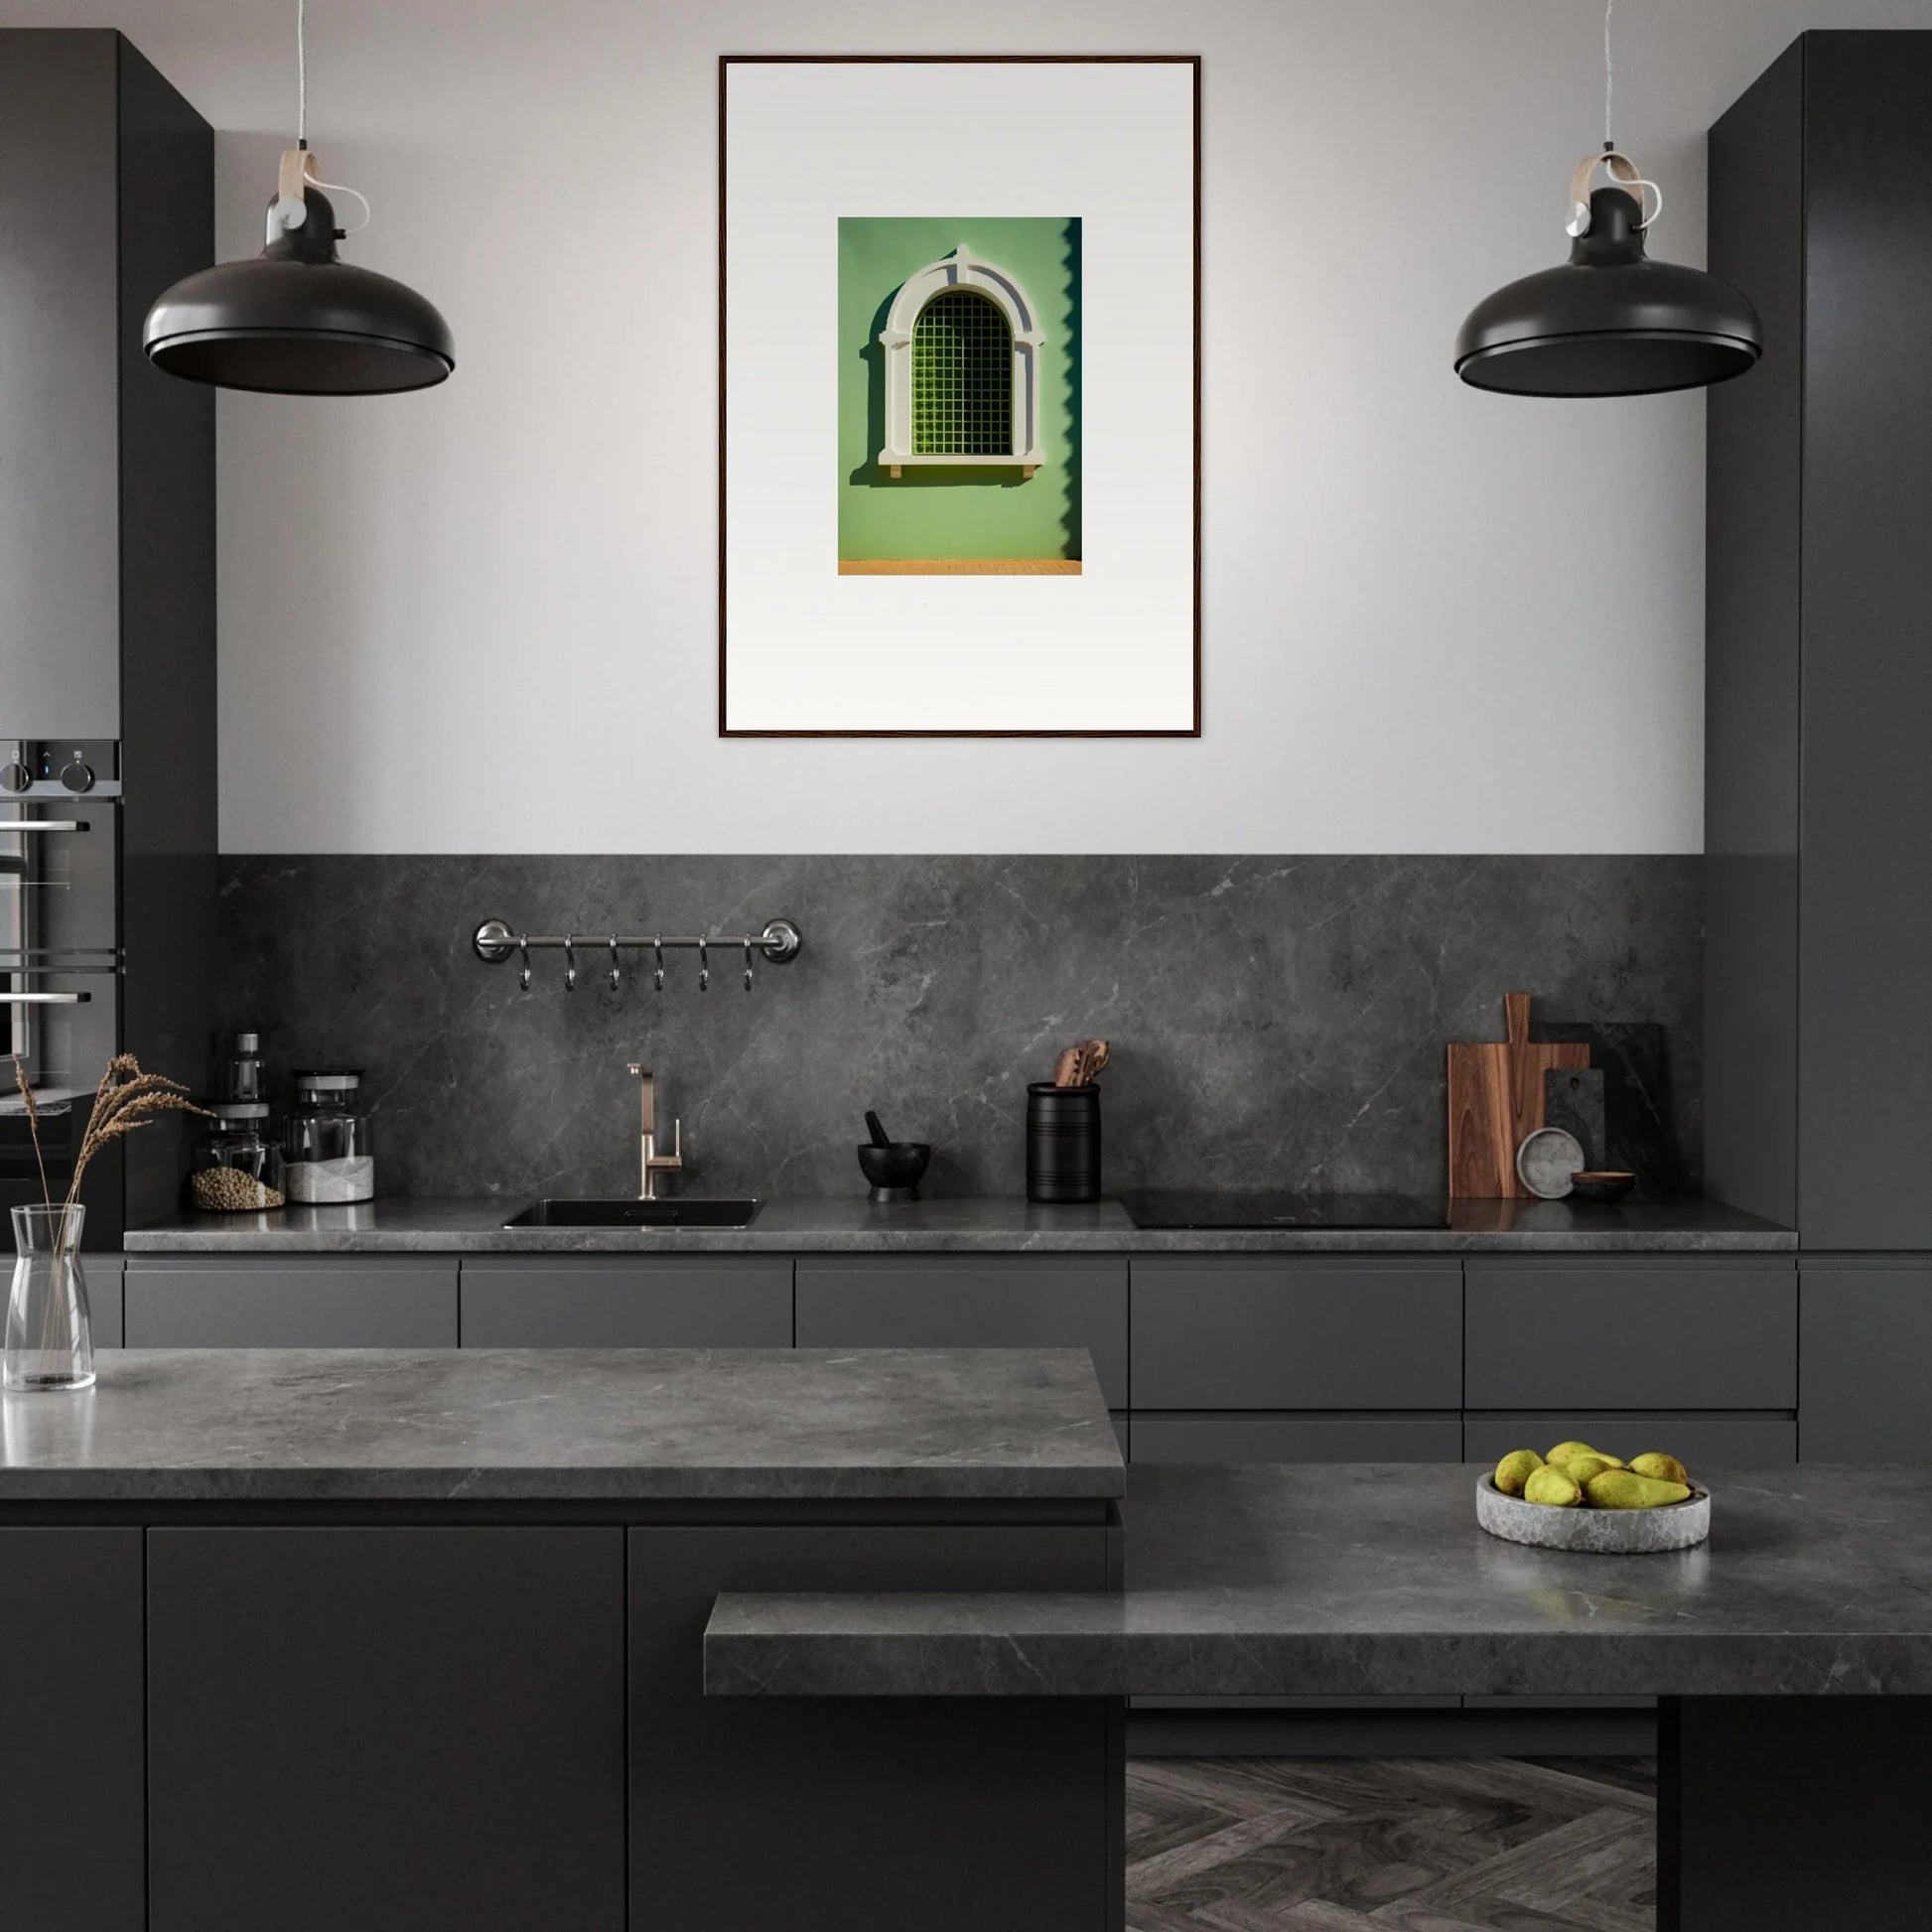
[962, 377]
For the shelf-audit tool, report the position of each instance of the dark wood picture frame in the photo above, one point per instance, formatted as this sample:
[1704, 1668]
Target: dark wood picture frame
[726, 62]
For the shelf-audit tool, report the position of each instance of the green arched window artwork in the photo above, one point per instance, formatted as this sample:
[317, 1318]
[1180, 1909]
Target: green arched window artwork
[962, 377]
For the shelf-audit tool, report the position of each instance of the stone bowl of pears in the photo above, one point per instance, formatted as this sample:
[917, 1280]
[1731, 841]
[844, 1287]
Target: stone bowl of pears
[1583, 1498]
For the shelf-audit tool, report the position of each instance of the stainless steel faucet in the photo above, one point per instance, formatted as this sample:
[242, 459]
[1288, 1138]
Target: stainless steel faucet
[651, 1162]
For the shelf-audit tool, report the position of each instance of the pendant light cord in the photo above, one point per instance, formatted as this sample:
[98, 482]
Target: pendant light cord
[302, 118]
[1609, 74]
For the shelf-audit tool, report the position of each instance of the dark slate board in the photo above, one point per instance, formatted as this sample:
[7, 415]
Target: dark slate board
[1637, 1127]
[1573, 1099]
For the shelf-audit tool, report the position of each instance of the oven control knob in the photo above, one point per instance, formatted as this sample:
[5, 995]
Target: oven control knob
[78, 776]
[15, 777]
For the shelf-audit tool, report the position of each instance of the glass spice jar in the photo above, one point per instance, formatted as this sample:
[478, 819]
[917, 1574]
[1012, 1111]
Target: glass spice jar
[238, 1164]
[331, 1156]
[240, 1076]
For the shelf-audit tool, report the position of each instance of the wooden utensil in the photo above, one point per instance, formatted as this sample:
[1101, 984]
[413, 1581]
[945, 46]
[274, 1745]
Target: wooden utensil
[1077, 1065]
[1495, 1100]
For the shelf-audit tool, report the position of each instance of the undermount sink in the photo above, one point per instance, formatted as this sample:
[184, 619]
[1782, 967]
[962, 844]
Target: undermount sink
[635, 1214]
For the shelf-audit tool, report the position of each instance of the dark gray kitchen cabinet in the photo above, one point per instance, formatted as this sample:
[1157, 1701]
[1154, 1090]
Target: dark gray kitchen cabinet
[103, 1273]
[743, 1807]
[1269, 1332]
[385, 1728]
[107, 195]
[276, 1301]
[60, 430]
[940, 1301]
[1818, 792]
[1737, 1442]
[624, 1301]
[1233, 1438]
[1865, 1393]
[1546, 1332]
[72, 1776]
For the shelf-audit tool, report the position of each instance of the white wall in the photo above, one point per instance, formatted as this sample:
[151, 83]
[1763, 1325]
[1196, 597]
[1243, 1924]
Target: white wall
[483, 619]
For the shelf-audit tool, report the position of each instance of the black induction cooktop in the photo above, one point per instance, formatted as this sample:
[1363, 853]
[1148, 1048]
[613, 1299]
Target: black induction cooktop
[1155, 1209]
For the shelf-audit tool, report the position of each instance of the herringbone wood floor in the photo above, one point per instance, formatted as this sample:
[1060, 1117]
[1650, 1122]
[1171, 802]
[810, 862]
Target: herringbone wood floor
[1391, 1845]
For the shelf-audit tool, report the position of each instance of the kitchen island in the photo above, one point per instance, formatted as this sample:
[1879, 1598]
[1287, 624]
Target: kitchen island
[1793, 1651]
[413, 1639]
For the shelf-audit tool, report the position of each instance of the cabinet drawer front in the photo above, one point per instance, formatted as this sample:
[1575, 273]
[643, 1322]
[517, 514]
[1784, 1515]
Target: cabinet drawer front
[671, 1302]
[104, 1273]
[263, 1305]
[1233, 1333]
[1297, 1438]
[939, 1303]
[1549, 1337]
[1718, 1441]
[1868, 1364]
[482, 1666]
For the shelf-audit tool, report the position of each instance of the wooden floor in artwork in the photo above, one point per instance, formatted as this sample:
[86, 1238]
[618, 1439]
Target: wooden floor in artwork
[959, 566]
[1391, 1845]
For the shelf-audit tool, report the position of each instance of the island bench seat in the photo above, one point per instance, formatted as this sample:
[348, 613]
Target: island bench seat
[1373, 1580]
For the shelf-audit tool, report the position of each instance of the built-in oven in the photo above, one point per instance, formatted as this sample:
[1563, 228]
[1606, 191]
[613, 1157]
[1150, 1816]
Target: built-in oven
[60, 962]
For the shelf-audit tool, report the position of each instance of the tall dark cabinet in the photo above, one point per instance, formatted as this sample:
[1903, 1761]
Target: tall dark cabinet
[107, 693]
[1819, 717]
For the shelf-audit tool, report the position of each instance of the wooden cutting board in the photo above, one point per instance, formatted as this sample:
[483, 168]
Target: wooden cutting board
[1495, 1099]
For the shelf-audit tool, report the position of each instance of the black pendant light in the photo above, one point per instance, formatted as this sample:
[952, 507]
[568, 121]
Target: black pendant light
[297, 320]
[1609, 322]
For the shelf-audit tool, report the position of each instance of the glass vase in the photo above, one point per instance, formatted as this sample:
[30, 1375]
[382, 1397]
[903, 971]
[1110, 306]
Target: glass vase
[50, 1338]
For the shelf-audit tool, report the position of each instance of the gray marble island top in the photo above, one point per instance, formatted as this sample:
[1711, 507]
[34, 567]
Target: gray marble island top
[961, 1226]
[1373, 1578]
[565, 1425]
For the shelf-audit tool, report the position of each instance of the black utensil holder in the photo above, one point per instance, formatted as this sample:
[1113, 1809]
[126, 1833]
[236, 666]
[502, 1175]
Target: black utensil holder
[1062, 1143]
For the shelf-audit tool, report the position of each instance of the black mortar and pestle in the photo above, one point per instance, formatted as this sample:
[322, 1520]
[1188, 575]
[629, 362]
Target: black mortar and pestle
[892, 1167]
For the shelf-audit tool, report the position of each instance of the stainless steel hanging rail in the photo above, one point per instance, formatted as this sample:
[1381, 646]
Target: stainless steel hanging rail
[496, 940]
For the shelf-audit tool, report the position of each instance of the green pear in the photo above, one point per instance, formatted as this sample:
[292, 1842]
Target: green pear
[1624, 1489]
[1666, 1468]
[1579, 1468]
[1515, 1469]
[1550, 1485]
[1564, 1451]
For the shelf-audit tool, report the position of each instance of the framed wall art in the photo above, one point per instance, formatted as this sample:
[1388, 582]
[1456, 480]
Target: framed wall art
[959, 396]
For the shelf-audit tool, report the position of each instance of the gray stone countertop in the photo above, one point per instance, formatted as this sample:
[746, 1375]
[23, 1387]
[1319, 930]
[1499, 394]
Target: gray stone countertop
[1373, 1578]
[965, 1226]
[268, 1425]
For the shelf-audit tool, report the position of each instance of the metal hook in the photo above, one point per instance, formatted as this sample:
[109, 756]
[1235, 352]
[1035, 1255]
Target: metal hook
[523, 946]
[704, 966]
[570, 962]
[748, 965]
[657, 946]
[616, 971]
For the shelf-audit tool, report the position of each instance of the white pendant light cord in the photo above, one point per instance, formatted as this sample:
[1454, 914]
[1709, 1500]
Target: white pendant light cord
[302, 130]
[1609, 73]
[1622, 171]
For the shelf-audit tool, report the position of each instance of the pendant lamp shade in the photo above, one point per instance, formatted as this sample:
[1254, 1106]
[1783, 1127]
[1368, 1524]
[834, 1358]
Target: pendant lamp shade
[299, 321]
[1609, 322]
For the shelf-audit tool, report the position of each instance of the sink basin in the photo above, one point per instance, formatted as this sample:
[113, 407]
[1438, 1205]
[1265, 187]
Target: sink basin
[635, 1214]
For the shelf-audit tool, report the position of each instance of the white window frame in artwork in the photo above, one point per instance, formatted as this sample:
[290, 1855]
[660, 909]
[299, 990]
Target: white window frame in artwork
[962, 270]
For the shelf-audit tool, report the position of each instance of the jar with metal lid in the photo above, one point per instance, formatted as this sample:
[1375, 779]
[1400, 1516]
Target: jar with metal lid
[326, 1138]
[238, 1164]
[238, 1075]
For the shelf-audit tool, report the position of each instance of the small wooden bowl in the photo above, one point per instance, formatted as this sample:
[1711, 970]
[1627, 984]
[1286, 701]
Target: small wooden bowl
[1604, 1186]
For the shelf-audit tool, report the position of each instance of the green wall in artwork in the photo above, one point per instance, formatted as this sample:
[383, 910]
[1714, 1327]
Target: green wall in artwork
[943, 512]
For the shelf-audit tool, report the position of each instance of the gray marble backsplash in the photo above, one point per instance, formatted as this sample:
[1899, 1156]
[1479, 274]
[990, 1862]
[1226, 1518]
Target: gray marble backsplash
[1275, 1022]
